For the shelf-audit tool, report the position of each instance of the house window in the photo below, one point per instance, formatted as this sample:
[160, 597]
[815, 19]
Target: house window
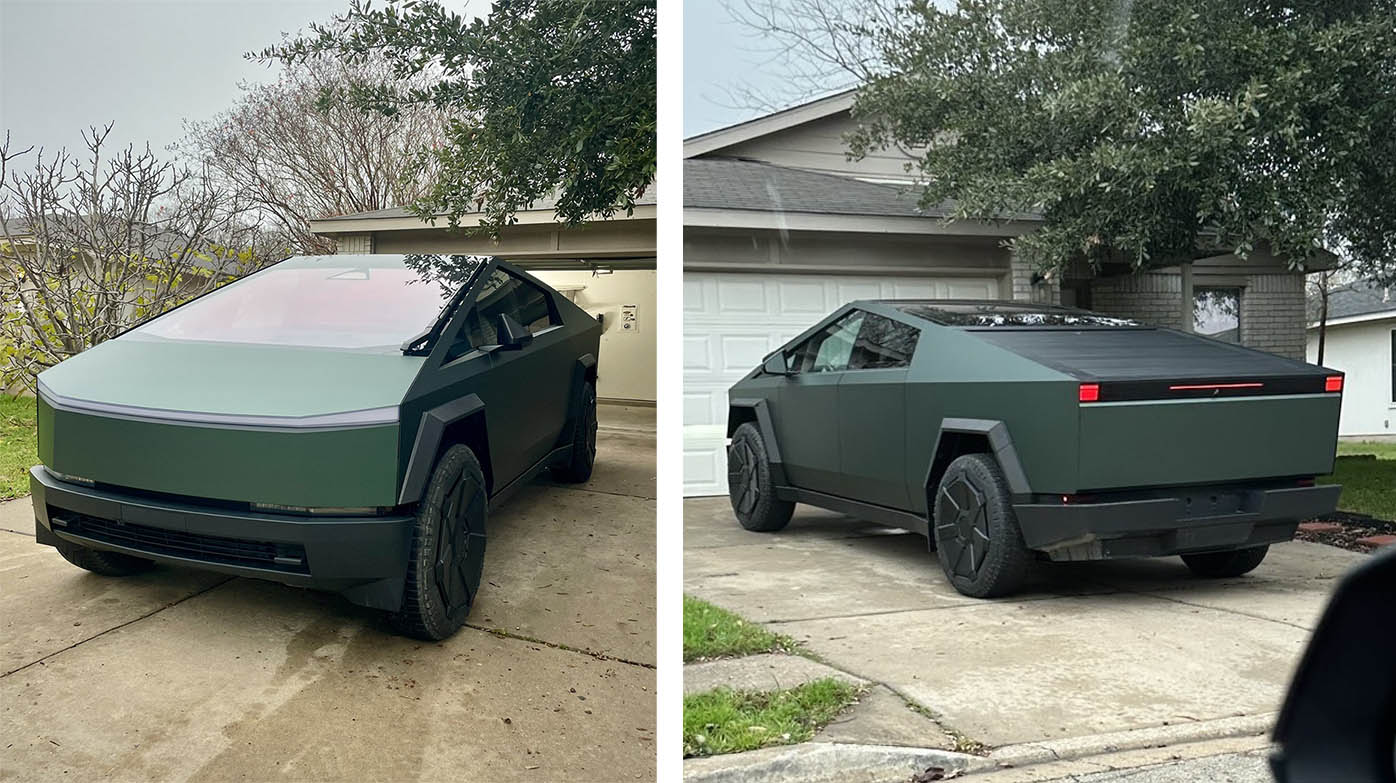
[1216, 313]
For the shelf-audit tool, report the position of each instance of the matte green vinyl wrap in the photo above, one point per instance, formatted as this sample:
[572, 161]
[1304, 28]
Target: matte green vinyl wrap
[354, 466]
[1169, 442]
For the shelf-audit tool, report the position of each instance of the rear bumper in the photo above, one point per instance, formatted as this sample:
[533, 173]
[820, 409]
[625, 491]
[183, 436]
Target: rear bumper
[363, 557]
[1192, 520]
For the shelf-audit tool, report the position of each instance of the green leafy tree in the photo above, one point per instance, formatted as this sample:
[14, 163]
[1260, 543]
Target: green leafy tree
[549, 99]
[1145, 132]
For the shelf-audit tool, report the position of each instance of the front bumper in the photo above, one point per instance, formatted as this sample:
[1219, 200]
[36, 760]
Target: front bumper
[1187, 520]
[365, 558]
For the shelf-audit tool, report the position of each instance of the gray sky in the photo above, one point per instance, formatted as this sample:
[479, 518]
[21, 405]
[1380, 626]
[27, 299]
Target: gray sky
[718, 54]
[148, 65]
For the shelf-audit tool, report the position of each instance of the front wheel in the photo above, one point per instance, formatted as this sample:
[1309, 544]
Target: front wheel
[1221, 565]
[749, 484]
[976, 531]
[448, 549]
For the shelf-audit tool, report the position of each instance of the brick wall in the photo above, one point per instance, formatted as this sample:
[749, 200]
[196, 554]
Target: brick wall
[1021, 273]
[1272, 306]
[1152, 298]
[1272, 314]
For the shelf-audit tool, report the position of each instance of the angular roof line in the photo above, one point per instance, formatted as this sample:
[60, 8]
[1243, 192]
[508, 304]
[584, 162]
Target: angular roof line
[809, 111]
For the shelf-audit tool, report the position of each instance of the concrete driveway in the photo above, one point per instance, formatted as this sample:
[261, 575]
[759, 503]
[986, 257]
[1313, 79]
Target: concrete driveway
[183, 675]
[1090, 655]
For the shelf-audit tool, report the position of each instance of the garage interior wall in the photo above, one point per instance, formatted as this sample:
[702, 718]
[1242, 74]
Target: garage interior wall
[627, 361]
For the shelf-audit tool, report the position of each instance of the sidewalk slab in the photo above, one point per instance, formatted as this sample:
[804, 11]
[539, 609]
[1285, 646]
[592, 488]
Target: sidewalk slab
[881, 717]
[765, 672]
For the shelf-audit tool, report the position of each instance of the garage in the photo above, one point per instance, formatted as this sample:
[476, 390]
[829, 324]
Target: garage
[607, 267]
[732, 320]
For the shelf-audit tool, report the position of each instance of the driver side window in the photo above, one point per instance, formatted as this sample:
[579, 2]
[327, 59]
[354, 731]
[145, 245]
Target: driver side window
[502, 293]
[830, 349]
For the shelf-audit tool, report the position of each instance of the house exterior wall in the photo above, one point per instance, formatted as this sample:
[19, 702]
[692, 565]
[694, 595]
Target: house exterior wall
[1362, 351]
[1272, 304]
[719, 249]
[819, 146]
[626, 365]
[355, 244]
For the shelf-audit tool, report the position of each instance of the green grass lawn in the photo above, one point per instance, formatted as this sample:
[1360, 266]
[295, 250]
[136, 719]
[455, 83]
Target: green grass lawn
[713, 632]
[1369, 486]
[18, 449]
[727, 721]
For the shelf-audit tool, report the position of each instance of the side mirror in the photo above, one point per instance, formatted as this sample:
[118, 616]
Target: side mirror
[1337, 722]
[775, 364]
[512, 334]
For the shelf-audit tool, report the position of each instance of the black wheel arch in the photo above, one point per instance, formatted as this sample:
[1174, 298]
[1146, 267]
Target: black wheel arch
[457, 421]
[958, 437]
[755, 410]
[583, 372]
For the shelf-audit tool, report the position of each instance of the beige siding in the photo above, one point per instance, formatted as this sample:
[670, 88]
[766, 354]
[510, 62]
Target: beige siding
[840, 253]
[820, 146]
[596, 240]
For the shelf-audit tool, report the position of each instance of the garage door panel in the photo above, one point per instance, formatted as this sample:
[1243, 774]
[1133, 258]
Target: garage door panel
[741, 297]
[732, 321]
[803, 297]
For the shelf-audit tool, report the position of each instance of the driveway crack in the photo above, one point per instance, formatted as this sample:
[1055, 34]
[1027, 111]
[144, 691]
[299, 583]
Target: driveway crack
[132, 621]
[518, 637]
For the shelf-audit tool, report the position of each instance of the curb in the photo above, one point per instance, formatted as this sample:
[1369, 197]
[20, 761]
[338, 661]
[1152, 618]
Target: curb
[823, 762]
[1132, 739]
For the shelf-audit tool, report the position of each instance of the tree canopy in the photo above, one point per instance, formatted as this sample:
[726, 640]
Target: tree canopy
[551, 100]
[1151, 131]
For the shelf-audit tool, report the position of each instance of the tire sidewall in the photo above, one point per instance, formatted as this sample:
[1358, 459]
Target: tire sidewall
[1006, 560]
[434, 614]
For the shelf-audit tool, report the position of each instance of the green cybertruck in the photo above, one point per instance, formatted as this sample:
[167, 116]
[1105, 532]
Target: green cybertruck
[1007, 432]
[340, 422]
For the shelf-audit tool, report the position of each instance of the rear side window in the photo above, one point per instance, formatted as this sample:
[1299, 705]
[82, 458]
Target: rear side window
[883, 343]
[507, 294]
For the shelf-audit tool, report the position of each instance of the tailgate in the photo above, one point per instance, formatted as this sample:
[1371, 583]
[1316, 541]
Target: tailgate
[1206, 440]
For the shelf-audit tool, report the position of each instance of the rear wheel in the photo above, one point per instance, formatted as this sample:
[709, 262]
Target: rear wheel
[1220, 565]
[749, 483]
[578, 467]
[100, 562]
[976, 530]
[448, 549]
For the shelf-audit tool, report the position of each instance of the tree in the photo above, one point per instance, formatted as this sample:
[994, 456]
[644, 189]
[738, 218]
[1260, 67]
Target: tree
[1147, 133]
[299, 149]
[89, 248]
[550, 99]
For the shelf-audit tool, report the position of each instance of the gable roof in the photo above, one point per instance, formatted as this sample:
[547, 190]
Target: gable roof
[1359, 301]
[819, 108]
[733, 183]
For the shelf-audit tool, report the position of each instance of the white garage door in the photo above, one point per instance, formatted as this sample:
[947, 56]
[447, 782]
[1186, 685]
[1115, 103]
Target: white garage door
[731, 321]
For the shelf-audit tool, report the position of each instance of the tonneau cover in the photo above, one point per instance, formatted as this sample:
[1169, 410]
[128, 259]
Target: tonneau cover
[1140, 353]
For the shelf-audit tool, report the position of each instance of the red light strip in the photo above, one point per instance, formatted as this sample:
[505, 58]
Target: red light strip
[1216, 386]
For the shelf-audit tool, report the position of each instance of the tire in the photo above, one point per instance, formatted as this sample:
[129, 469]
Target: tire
[749, 484]
[448, 549]
[1221, 565]
[100, 562]
[578, 467]
[975, 529]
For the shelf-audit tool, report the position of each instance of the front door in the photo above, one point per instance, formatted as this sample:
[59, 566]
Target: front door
[806, 415]
[872, 413]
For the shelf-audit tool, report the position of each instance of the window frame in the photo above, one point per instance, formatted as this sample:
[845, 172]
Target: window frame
[799, 360]
[465, 333]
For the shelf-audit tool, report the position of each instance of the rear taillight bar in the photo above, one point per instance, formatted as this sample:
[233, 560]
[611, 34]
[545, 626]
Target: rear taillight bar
[1090, 392]
[1197, 386]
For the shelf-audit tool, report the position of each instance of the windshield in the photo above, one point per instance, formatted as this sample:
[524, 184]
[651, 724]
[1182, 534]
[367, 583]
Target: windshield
[341, 302]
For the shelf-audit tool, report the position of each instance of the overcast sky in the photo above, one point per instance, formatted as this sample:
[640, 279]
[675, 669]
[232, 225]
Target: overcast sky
[718, 54]
[148, 65]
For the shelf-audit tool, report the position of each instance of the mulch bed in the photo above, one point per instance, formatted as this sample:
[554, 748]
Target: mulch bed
[1350, 530]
